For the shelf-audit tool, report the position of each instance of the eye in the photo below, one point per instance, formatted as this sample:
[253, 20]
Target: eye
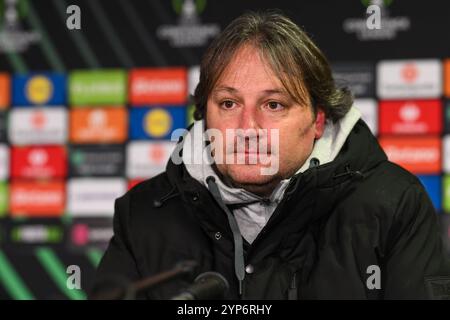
[274, 106]
[227, 104]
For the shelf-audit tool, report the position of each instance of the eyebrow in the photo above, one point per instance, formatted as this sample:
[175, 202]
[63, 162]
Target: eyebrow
[265, 92]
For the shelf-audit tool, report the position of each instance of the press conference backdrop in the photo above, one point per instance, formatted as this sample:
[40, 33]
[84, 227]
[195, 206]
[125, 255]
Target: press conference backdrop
[87, 113]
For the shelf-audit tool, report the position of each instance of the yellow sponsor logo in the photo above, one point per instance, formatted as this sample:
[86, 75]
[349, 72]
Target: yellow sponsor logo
[158, 123]
[39, 90]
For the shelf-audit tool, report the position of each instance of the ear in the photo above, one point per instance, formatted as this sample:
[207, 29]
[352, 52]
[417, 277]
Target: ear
[319, 123]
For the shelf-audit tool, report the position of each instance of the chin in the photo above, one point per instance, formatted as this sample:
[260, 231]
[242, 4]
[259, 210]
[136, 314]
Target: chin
[248, 174]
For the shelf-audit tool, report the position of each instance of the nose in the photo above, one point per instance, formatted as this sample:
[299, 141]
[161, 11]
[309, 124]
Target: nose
[248, 118]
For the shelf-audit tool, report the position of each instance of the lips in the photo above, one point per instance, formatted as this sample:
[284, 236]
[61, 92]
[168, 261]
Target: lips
[252, 152]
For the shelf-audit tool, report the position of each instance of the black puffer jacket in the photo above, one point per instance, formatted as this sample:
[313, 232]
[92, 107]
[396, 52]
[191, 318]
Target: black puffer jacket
[335, 221]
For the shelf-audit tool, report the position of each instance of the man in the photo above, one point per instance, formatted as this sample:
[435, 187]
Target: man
[324, 216]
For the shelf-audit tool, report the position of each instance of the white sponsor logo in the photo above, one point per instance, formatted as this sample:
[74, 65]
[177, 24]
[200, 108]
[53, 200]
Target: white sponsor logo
[369, 113]
[97, 234]
[412, 155]
[146, 159]
[157, 86]
[409, 112]
[4, 162]
[37, 157]
[97, 119]
[36, 197]
[378, 24]
[189, 32]
[96, 88]
[91, 196]
[33, 233]
[12, 37]
[409, 79]
[38, 126]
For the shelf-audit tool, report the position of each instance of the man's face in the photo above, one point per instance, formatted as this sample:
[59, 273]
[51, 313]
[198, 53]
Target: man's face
[249, 95]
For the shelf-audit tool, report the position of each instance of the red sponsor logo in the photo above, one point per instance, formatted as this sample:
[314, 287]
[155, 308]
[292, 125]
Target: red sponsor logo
[409, 72]
[38, 162]
[420, 155]
[38, 119]
[158, 86]
[158, 153]
[411, 117]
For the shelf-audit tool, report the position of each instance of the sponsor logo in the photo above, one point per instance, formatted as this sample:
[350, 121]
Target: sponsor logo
[389, 26]
[37, 234]
[93, 196]
[38, 126]
[369, 112]
[98, 125]
[92, 231]
[97, 87]
[13, 38]
[147, 159]
[156, 123]
[189, 32]
[158, 86]
[38, 162]
[397, 79]
[37, 198]
[3, 198]
[420, 155]
[5, 91]
[411, 117]
[4, 162]
[97, 161]
[358, 77]
[433, 187]
[39, 89]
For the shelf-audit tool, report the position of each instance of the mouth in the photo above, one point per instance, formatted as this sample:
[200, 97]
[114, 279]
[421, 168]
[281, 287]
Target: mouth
[253, 153]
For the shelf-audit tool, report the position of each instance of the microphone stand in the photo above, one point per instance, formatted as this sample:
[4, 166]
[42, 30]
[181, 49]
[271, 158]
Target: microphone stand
[129, 291]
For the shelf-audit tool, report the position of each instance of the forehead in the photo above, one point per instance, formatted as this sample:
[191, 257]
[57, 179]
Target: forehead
[248, 69]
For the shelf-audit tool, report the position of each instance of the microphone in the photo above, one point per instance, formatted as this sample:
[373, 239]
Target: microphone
[208, 285]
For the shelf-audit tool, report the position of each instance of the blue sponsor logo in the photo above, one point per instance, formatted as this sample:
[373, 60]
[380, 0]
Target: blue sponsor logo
[156, 123]
[38, 89]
